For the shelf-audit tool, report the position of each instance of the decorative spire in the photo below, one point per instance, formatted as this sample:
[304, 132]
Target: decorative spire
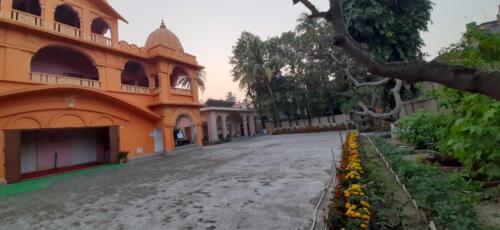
[163, 24]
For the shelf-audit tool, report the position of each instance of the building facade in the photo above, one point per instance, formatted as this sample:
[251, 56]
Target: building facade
[222, 120]
[72, 93]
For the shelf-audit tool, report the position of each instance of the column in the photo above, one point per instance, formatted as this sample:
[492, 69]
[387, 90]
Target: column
[212, 127]
[199, 134]
[6, 6]
[251, 119]
[224, 126]
[164, 86]
[114, 34]
[2, 157]
[86, 24]
[168, 138]
[48, 11]
[245, 124]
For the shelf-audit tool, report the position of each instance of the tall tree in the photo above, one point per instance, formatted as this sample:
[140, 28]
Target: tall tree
[458, 77]
[252, 67]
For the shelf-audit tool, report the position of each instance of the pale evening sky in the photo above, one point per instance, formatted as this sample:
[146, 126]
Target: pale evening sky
[209, 28]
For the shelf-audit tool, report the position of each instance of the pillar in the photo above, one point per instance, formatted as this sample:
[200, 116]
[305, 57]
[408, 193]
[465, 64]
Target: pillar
[48, 11]
[251, 120]
[85, 24]
[2, 157]
[164, 88]
[114, 34]
[168, 138]
[245, 124]
[212, 127]
[6, 6]
[224, 126]
[199, 134]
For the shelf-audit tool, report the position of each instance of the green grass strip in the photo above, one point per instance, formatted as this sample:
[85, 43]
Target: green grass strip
[41, 183]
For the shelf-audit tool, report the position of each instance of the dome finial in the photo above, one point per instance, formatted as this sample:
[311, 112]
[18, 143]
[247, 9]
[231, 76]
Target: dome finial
[163, 24]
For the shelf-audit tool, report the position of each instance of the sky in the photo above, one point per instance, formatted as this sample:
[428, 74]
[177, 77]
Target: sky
[209, 29]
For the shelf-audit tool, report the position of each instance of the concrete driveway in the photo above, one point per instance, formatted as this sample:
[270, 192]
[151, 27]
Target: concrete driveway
[267, 182]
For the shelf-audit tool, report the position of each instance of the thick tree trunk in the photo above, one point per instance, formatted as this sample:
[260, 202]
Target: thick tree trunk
[277, 121]
[461, 78]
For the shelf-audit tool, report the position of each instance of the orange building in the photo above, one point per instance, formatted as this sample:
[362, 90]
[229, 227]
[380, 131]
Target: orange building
[72, 94]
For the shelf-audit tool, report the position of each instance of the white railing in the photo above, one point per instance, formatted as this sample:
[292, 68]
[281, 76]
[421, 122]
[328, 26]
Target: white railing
[63, 80]
[136, 89]
[101, 39]
[67, 30]
[26, 18]
[183, 92]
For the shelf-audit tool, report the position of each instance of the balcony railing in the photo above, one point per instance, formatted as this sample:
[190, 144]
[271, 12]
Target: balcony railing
[67, 30]
[63, 80]
[26, 18]
[136, 89]
[183, 92]
[101, 39]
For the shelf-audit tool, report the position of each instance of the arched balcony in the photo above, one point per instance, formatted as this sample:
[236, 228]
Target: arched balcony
[135, 79]
[180, 82]
[101, 32]
[27, 12]
[67, 21]
[62, 65]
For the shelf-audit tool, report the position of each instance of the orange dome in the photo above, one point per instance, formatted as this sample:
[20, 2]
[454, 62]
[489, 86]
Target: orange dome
[164, 37]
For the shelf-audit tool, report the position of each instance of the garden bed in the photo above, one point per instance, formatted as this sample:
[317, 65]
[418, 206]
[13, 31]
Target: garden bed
[449, 199]
[310, 129]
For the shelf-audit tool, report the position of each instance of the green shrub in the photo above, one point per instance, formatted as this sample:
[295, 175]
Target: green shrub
[474, 137]
[447, 197]
[423, 129]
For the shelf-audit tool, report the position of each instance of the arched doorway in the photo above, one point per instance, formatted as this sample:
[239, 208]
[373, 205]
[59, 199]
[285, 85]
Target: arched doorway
[134, 74]
[100, 26]
[65, 14]
[180, 79]
[134, 78]
[101, 32]
[28, 6]
[63, 65]
[185, 131]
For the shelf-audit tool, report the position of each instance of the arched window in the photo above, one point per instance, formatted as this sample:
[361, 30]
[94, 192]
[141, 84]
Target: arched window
[184, 133]
[65, 14]
[27, 6]
[63, 61]
[179, 79]
[134, 74]
[101, 27]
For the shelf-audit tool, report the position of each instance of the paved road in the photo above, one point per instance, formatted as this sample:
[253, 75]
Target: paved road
[267, 182]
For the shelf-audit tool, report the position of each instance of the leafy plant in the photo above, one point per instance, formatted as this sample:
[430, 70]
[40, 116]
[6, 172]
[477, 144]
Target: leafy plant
[446, 197]
[123, 156]
[474, 137]
[423, 129]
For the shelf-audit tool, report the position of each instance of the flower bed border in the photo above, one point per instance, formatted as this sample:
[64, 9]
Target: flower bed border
[349, 208]
[429, 220]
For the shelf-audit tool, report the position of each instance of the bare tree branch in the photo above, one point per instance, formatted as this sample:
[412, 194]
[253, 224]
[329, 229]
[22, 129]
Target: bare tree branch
[357, 84]
[461, 78]
[315, 13]
[392, 115]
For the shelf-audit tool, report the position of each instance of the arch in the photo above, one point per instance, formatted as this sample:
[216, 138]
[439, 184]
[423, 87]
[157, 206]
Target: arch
[26, 122]
[180, 78]
[67, 120]
[184, 130]
[103, 121]
[134, 73]
[28, 6]
[90, 93]
[66, 14]
[101, 27]
[64, 61]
